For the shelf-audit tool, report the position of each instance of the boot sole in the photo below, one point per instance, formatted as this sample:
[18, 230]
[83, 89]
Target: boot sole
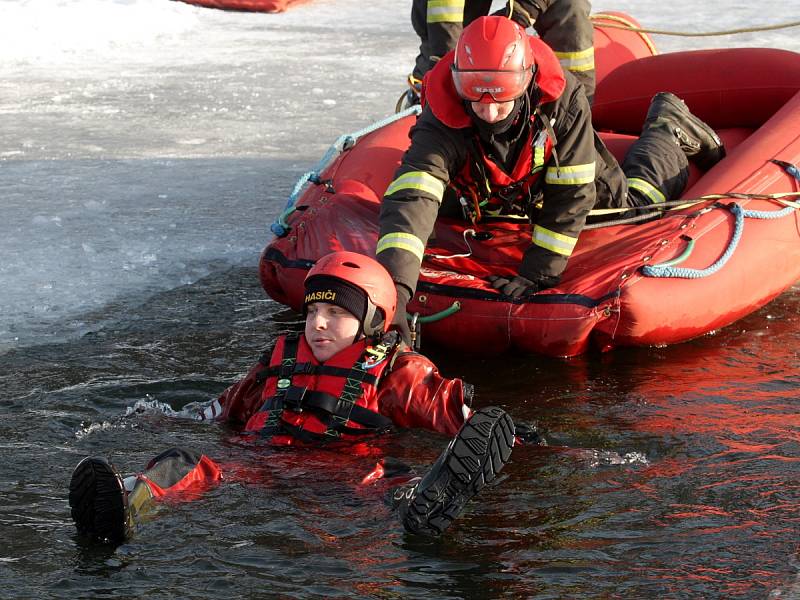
[473, 459]
[715, 153]
[97, 500]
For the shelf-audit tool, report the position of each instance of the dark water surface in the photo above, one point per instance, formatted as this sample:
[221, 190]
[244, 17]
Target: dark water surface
[671, 472]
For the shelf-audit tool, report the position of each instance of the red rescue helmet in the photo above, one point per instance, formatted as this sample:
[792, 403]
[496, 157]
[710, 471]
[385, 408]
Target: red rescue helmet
[357, 283]
[493, 61]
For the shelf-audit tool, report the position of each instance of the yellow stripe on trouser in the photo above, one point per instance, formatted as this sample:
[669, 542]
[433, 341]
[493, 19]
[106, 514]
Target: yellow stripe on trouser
[583, 60]
[402, 241]
[648, 189]
[570, 175]
[556, 242]
[445, 11]
[417, 180]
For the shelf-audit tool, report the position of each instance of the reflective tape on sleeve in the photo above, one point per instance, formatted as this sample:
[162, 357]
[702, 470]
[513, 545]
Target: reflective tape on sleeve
[646, 188]
[419, 181]
[402, 241]
[445, 11]
[555, 242]
[582, 60]
[570, 174]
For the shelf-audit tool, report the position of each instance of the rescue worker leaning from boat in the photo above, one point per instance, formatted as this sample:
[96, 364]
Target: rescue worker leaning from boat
[563, 25]
[345, 378]
[504, 130]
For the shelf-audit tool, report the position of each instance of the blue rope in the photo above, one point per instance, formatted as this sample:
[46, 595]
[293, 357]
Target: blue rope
[280, 227]
[740, 214]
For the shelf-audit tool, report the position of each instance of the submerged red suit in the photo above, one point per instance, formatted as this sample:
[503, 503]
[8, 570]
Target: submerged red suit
[386, 382]
[291, 398]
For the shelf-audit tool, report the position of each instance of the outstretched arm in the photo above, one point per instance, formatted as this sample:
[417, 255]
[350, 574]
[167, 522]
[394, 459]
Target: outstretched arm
[242, 399]
[415, 394]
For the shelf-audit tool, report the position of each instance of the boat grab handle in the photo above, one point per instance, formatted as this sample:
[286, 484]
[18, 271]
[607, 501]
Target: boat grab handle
[666, 270]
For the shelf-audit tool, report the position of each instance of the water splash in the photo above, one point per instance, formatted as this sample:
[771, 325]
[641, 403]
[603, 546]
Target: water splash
[605, 458]
[148, 406]
[85, 431]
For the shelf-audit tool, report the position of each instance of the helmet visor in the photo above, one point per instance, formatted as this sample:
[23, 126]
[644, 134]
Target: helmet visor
[491, 86]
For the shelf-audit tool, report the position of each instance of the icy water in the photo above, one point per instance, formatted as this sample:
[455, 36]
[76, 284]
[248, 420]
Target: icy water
[145, 146]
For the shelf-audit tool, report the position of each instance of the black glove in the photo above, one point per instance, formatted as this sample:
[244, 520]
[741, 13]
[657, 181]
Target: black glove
[516, 287]
[528, 433]
[520, 286]
[400, 322]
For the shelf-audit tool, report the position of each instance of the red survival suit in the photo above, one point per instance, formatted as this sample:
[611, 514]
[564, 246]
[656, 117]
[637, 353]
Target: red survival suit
[290, 398]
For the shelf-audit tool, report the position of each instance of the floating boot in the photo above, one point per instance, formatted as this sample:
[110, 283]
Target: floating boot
[472, 459]
[99, 501]
[697, 139]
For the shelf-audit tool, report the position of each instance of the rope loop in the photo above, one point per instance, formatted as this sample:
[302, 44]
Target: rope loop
[664, 270]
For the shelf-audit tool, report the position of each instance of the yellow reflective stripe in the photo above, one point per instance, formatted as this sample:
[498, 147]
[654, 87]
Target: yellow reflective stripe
[556, 242]
[445, 11]
[417, 180]
[570, 175]
[648, 189]
[402, 241]
[539, 144]
[582, 60]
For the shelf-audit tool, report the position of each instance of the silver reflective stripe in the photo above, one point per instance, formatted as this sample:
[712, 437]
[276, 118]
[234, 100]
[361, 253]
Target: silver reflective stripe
[648, 189]
[582, 60]
[445, 11]
[417, 180]
[402, 241]
[570, 174]
[556, 242]
[538, 151]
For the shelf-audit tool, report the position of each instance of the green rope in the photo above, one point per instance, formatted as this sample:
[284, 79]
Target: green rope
[679, 259]
[451, 310]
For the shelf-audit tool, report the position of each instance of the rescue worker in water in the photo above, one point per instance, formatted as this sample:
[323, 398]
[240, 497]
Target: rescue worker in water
[504, 131]
[345, 378]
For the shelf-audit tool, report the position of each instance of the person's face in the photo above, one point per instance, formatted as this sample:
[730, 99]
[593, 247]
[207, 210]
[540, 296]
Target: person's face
[492, 112]
[329, 329]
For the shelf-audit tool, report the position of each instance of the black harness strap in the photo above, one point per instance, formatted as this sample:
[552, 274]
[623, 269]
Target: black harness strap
[333, 412]
[275, 404]
[312, 369]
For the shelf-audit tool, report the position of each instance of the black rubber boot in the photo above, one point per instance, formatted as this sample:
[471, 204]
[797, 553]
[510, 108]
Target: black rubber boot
[99, 502]
[697, 139]
[471, 460]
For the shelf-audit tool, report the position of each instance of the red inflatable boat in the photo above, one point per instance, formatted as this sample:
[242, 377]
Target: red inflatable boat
[270, 6]
[733, 246]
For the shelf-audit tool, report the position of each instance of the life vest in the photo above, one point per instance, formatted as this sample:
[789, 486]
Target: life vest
[306, 400]
[483, 185]
[488, 189]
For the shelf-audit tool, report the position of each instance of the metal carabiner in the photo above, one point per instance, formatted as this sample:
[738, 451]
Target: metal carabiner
[415, 327]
